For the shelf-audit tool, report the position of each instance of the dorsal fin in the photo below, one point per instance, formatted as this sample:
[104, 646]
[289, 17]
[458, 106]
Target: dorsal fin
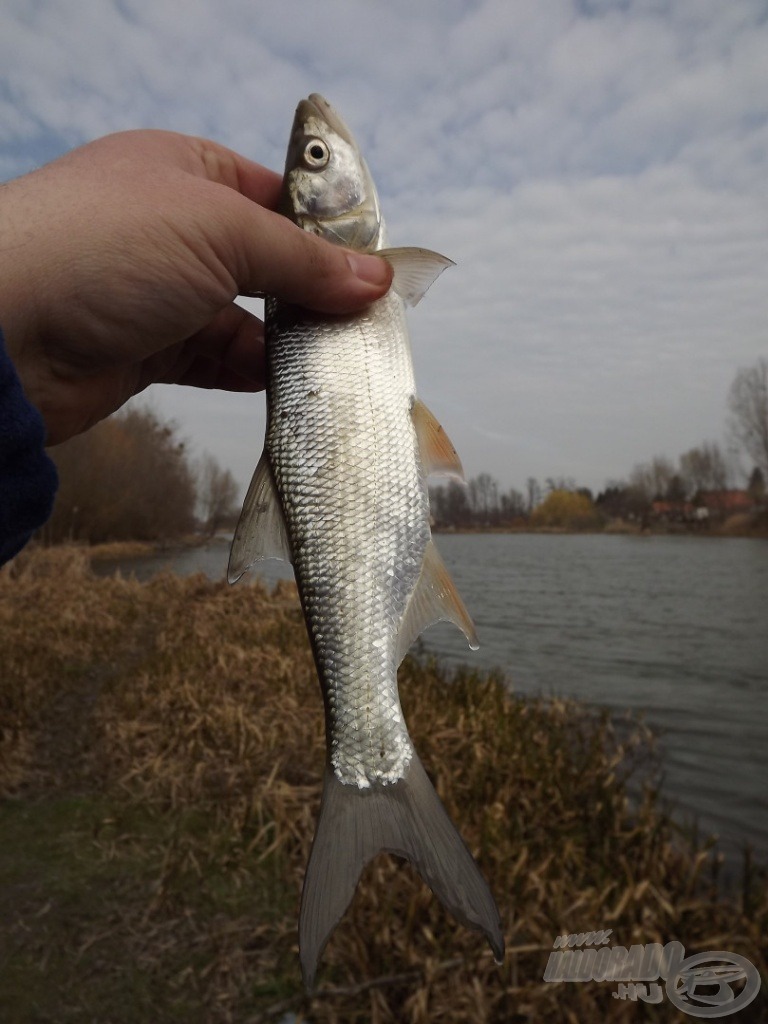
[414, 270]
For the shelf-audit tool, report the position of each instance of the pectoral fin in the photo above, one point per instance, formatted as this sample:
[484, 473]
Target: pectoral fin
[261, 531]
[434, 599]
[437, 453]
[415, 270]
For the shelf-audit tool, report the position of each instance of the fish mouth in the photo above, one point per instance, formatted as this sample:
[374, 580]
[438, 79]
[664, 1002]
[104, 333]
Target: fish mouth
[317, 106]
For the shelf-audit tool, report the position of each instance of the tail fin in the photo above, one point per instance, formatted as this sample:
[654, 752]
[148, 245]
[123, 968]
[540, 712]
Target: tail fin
[406, 818]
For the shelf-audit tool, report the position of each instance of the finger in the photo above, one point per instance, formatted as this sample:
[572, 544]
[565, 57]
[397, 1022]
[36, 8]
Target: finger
[207, 373]
[273, 255]
[235, 340]
[276, 257]
[228, 353]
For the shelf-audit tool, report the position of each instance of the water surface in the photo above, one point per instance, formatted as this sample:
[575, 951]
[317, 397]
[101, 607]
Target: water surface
[673, 627]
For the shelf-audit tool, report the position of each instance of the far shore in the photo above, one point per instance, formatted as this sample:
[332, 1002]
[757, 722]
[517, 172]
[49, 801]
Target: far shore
[623, 529]
[120, 550]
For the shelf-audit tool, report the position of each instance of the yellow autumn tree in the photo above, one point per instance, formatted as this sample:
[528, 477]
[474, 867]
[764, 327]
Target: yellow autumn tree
[566, 510]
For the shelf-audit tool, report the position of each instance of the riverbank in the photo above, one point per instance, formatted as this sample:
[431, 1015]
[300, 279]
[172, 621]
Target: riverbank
[735, 526]
[161, 746]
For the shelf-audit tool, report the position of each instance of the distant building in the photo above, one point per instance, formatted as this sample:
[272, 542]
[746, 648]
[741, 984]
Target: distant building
[726, 503]
[672, 511]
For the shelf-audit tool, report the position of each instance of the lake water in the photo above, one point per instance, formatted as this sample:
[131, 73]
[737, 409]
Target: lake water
[673, 627]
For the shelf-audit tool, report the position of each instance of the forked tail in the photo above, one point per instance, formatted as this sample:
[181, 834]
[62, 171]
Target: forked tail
[405, 818]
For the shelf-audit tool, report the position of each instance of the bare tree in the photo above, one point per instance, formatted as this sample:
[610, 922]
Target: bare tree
[534, 493]
[216, 494]
[756, 485]
[748, 405]
[560, 483]
[458, 511]
[652, 479]
[484, 498]
[512, 505]
[704, 469]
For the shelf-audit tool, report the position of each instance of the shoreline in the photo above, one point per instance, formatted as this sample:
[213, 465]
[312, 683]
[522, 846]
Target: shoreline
[720, 534]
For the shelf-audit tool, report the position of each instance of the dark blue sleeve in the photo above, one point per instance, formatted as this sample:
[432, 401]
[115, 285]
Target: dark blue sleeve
[28, 478]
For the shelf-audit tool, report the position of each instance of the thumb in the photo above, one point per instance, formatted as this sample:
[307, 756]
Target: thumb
[278, 258]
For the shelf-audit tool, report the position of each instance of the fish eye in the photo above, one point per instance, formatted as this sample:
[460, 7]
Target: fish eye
[316, 154]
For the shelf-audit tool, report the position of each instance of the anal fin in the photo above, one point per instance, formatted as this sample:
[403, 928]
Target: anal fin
[261, 531]
[434, 598]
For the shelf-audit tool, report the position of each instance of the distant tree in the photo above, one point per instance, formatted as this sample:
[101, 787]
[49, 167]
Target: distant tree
[748, 405]
[479, 503]
[533, 492]
[620, 500]
[457, 505]
[566, 510]
[217, 492]
[559, 483]
[652, 479]
[675, 489]
[127, 478]
[756, 485]
[449, 505]
[484, 499]
[511, 506]
[610, 500]
[704, 469]
[437, 504]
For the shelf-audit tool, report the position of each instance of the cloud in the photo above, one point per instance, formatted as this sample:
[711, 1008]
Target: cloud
[597, 169]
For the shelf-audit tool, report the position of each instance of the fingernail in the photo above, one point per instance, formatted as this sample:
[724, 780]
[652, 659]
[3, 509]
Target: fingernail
[371, 269]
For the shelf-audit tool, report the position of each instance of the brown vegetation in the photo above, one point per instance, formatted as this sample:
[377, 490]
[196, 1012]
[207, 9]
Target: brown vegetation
[161, 748]
[216, 495]
[127, 478]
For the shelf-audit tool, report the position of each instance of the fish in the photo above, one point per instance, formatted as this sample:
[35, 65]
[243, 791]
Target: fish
[340, 491]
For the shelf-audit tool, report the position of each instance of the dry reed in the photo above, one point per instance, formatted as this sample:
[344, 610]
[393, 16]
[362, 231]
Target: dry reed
[161, 748]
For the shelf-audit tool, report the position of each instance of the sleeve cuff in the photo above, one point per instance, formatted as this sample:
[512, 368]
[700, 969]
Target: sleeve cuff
[28, 478]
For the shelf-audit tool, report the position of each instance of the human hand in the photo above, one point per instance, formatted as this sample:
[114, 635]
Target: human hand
[120, 261]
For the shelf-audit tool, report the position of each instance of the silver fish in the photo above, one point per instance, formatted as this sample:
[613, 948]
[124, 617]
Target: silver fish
[341, 491]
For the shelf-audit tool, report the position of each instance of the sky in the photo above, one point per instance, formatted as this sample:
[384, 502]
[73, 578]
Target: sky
[598, 169]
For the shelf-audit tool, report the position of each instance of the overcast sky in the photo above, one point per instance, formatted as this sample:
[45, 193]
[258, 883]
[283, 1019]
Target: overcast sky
[598, 169]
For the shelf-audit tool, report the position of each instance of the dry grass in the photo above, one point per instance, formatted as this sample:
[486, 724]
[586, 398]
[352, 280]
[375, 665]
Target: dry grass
[619, 525]
[119, 549]
[161, 748]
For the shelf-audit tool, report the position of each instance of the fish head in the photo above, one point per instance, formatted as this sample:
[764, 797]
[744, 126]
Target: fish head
[327, 187]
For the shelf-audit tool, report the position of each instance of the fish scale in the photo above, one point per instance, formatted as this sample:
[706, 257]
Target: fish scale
[341, 491]
[334, 394]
